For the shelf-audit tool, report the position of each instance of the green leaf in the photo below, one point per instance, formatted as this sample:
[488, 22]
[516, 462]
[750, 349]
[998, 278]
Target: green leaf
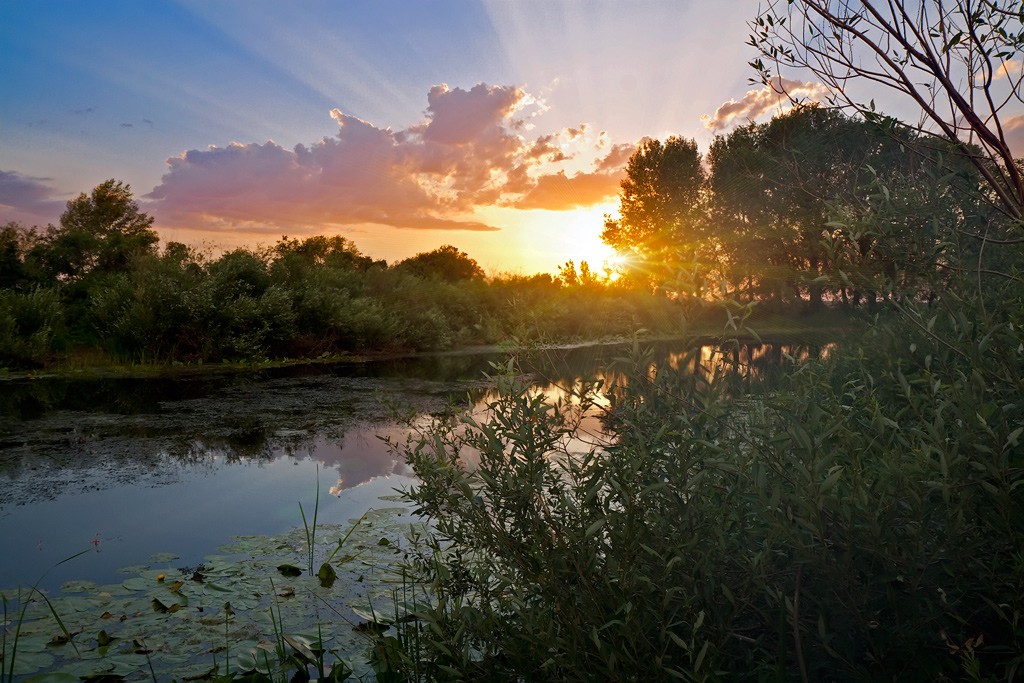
[138, 584]
[832, 478]
[52, 677]
[327, 575]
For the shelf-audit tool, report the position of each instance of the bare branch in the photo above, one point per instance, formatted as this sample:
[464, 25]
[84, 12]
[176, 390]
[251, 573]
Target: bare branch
[949, 58]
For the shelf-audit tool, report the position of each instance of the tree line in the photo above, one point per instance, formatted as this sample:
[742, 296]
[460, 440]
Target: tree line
[97, 287]
[861, 519]
[814, 206]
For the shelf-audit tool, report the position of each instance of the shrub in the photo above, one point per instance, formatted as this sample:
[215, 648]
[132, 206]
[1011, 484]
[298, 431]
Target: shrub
[861, 519]
[31, 325]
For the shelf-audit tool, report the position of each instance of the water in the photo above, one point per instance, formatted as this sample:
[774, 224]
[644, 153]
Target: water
[131, 468]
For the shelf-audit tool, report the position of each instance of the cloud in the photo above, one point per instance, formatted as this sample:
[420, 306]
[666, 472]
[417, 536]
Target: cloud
[617, 158]
[773, 96]
[1008, 68]
[558, 192]
[1013, 130]
[469, 151]
[561, 192]
[28, 200]
[462, 117]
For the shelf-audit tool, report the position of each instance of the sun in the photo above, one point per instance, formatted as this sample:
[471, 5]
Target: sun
[583, 229]
[539, 240]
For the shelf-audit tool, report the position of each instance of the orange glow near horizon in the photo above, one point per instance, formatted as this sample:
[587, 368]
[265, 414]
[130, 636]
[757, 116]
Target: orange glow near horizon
[539, 241]
[529, 241]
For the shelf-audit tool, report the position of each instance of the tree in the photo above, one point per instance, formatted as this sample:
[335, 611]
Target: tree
[101, 231]
[660, 226]
[17, 242]
[958, 62]
[776, 187]
[445, 263]
[334, 252]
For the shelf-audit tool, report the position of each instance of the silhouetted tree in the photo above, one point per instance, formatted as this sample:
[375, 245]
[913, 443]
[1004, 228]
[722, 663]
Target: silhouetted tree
[773, 185]
[956, 62]
[789, 198]
[661, 227]
[445, 263]
[18, 269]
[101, 231]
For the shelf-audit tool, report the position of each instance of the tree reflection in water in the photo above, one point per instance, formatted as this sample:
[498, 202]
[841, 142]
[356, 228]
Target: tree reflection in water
[163, 463]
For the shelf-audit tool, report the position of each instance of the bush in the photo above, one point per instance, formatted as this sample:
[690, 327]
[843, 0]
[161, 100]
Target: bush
[31, 326]
[863, 519]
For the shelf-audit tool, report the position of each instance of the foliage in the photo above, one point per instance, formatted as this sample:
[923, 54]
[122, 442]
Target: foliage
[778, 186]
[31, 326]
[661, 226]
[861, 521]
[444, 263]
[238, 616]
[101, 286]
[956, 63]
[103, 230]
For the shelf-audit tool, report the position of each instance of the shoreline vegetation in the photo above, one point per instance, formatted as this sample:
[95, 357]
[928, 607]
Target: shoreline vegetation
[825, 326]
[858, 518]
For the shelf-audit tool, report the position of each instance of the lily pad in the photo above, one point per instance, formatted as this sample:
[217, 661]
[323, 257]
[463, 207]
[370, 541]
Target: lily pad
[137, 583]
[31, 662]
[175, 624]
[78, 587]
[52, 677]
[161, 558]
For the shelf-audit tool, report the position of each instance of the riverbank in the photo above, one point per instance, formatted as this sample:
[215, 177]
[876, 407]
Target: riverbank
[826, 325]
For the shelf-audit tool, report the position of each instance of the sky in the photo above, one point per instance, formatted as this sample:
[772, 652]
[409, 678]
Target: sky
[500, 127]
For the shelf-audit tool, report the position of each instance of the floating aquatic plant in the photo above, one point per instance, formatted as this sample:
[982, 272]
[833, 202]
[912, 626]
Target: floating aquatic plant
[233, 614]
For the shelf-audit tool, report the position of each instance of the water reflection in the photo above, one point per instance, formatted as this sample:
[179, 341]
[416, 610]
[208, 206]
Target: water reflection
[181, 465]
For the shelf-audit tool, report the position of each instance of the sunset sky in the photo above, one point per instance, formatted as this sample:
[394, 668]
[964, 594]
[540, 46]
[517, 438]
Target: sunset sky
[499, 127]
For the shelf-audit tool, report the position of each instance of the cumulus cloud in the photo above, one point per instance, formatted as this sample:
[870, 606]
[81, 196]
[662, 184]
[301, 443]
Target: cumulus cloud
[1008, 68]
[1013, 129]
[561, 192]
[773, 96]
[469, 151]
[616, 158]
[28, 200]
[558, 192]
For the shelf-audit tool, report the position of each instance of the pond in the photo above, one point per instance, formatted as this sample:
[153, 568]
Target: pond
[185, 495]
[132, 468]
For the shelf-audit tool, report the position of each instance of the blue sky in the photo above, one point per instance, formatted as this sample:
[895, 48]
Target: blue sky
[499, 127]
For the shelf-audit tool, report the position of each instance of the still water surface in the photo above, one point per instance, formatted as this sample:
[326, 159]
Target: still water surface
[131, 468]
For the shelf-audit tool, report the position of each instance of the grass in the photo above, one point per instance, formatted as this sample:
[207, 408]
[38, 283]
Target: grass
[8, 661]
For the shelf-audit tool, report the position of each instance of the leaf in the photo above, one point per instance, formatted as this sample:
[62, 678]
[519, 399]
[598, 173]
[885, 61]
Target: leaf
[370, 615]
[52, 677]
[832, 478]
[700, 655]
[327, 575]
[137, 584]
[302, 647]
